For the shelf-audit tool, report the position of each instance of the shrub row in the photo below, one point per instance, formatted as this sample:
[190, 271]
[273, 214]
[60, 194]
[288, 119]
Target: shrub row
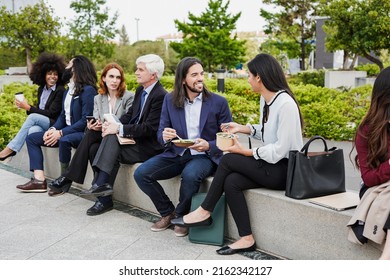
[327, 112]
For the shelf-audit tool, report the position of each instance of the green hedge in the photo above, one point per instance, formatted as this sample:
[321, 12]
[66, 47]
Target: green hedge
[11, 118]
[327, 112]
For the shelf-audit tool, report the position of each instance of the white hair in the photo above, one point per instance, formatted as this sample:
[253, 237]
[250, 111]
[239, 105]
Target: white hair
[153, 63]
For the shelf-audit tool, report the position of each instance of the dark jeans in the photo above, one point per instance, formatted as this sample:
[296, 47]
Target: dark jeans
[236, 173]
[193, 169]
[34, 143]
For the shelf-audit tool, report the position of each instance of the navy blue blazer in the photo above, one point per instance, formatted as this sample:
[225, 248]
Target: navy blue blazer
[80, 107]
[215, 111]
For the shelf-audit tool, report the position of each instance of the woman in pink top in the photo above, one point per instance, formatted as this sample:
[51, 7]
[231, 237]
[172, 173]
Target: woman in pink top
[372, 142]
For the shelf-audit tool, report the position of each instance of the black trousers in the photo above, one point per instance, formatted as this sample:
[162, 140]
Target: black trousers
[86, 151]
[237, 173]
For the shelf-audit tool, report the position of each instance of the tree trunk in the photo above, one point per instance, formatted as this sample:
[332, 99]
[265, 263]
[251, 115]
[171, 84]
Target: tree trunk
[355, 57]
[377, 61]
[303, 52]
[345, 60]
[28, 60]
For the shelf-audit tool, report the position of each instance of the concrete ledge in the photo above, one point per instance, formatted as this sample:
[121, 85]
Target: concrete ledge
[289, 228]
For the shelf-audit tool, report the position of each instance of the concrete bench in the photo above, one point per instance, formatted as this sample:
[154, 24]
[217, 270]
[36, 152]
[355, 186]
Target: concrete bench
[293, 229]
[289, 228]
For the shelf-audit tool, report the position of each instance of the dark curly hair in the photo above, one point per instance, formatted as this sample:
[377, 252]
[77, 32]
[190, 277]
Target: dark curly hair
[47, 62]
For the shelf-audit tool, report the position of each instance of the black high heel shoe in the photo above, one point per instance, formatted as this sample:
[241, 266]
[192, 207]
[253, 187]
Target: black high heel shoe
[7, 156]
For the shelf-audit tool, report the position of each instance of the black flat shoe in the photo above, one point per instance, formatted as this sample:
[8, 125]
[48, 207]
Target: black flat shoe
[7, 156]
[180, 222]
[96, 190]
[226, 250]
[60, 185]
[99, 208]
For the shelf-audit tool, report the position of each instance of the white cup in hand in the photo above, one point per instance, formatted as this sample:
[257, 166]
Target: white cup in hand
[19, 96]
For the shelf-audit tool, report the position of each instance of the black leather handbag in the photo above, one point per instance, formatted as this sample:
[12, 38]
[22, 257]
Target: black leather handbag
[313, 174]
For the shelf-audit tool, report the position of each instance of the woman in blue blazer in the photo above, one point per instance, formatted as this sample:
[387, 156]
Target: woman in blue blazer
[68, 130]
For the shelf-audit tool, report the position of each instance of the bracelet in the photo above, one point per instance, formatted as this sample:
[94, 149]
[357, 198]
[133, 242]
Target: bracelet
[61, 133]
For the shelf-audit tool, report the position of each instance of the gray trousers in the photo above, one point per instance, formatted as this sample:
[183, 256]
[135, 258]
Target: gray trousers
[111, 153]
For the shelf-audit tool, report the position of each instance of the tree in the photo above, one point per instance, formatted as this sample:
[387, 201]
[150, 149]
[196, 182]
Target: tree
[92, 29]
[123, 36]
[358, 27]
[294, 20]
[210, 38]
[32, 30]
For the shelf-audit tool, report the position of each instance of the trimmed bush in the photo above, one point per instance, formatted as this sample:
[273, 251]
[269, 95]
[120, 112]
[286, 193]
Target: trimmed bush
[11, 118]
[327, 112]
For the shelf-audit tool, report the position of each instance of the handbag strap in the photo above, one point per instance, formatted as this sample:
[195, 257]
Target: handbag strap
[305, 148]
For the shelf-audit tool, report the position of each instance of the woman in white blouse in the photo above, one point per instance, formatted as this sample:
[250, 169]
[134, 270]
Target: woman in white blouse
[280, 130]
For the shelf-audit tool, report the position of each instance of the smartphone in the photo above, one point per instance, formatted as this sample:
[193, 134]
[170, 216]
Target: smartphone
[91, 118]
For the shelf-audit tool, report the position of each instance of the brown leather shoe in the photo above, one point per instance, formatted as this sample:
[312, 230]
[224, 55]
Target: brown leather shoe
[54, 193]
[33, 186]
[180, 231]
[163, 223]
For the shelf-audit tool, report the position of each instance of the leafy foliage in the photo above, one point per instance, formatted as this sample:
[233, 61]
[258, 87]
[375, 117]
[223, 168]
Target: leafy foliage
[11, 118]
[91, 30]
[209, 36]
[32, 30]
[358, 27]
[294, 20]
[371, 69]
[316, 78]
[327, 112]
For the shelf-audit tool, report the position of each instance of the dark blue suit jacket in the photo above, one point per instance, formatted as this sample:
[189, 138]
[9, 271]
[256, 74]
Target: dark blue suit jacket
[215, 111]
[80, 107]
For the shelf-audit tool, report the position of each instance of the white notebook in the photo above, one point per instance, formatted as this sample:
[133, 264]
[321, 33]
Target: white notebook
[122, 140]
[339, 202]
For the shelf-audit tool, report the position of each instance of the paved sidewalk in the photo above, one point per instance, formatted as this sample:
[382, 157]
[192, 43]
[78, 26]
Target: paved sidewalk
[36, 226]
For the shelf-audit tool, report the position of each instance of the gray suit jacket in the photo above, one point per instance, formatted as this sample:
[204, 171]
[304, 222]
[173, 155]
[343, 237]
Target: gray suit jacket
[122, 105]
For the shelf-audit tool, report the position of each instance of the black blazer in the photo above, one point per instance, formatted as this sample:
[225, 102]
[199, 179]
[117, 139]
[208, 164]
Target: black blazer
[53, 105]
[145, 131]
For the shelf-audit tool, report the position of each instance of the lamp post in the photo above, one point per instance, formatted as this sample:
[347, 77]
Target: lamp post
[136, 21]
[220, 80]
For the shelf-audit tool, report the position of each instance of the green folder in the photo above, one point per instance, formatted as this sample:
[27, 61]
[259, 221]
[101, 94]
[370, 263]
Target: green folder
[213, 234]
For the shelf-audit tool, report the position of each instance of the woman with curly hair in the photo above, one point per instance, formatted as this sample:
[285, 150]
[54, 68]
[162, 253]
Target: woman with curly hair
[68, 130]
[113, 98]
[47, 73]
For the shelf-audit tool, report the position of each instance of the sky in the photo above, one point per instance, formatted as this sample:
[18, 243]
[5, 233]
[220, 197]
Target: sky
[156, 17]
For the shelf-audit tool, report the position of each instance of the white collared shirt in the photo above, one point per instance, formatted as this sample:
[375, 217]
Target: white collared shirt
[192, 114]
[68, 101]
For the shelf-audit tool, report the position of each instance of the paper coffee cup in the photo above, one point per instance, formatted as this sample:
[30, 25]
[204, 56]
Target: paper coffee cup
[225, 140]
[19, 96]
